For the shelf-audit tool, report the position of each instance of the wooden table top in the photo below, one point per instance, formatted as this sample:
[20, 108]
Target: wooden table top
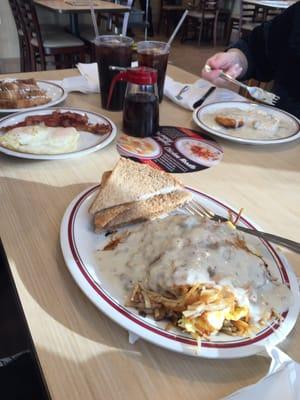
[67, 6]
[85, 355]
[283, 4]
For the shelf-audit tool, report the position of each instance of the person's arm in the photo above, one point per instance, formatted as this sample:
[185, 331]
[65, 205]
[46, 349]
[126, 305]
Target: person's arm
[262, 49]
[255, 48]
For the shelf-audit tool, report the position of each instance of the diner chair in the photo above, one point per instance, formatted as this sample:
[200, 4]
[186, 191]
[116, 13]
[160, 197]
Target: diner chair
[116, 23]
[206, 14]
[119, 22]
[137, 20]
[64, 48]
[245, 20]
[111, 23]
[169, 13]
[271, 13]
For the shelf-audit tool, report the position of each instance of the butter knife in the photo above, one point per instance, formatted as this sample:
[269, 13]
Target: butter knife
[204, 97]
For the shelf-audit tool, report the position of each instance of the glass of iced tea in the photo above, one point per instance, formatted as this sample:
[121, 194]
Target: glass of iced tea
[112, 50]
[155, 55]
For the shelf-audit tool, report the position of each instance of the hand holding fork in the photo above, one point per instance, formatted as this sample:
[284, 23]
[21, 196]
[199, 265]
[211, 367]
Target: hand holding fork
[230, 65]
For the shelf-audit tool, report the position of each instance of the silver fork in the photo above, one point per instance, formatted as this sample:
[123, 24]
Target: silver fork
[254, 91]
[195, 208]
[181, 91]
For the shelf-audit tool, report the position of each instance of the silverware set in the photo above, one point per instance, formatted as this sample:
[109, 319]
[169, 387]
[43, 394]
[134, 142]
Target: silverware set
[255, 92]
[200, 101]
[195, 208]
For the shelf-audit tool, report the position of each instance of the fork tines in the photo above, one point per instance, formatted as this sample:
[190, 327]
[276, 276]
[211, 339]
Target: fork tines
[275, 99]
[270, 98]
[196, 208]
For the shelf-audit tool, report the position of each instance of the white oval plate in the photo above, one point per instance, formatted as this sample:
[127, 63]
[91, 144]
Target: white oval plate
[124, 141]
[199, 117]
[183, 145]
[56, 92]
[79, 246]
[87, 143]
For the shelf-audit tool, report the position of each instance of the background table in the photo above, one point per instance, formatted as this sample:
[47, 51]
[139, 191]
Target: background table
[63, 6]
[279, 4]
[85, 355]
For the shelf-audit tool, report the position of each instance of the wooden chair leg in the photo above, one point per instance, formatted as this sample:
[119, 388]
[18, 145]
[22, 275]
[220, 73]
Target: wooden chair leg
[169, 20]
[215, 29]
[43, 62]
[228, 31]
[185, 30]
[68, 61]
[82, 56]
[22, 59]
[159, 21]
[200, 31]
[57, 61]
[28, 66]
[215, 33]
[92, 52]
[33, 60]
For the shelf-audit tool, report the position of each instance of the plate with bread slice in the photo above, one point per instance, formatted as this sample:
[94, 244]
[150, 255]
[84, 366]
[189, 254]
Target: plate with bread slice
[29, 94]
[55, 133]
[248, 123]
[178, 280]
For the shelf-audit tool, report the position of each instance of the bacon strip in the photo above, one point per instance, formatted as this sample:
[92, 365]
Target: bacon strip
[63, 119]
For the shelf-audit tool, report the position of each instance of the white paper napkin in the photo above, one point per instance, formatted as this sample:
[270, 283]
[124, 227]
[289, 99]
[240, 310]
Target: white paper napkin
[77, 84]
[281, 382]
[87, 82]
[90, 73]
[185, 95]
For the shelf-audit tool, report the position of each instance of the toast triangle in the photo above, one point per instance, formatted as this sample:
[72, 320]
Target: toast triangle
[143, 210]
[129, 181]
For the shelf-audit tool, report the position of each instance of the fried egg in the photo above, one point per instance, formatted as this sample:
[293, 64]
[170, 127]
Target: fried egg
[41, 139]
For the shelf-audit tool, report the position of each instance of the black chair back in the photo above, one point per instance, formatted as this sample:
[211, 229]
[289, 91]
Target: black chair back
[33, 32]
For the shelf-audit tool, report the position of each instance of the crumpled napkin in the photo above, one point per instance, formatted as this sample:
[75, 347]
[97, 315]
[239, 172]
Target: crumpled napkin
[185, 95]
[87, 82]
[90, 73]
[281, 382]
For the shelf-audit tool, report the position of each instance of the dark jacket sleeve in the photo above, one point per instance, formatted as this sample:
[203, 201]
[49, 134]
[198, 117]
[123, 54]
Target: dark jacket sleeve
[272, 44]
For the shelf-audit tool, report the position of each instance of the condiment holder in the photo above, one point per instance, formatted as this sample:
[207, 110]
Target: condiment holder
[141, 107]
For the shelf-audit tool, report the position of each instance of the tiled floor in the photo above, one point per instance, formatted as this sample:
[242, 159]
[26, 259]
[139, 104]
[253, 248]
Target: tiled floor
[192, 57]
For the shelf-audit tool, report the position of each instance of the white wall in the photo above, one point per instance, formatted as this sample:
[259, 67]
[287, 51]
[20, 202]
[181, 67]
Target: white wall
[9, 45]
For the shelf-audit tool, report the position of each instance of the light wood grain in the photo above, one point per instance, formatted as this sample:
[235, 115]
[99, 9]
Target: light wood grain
[84, 355]
[67, 6]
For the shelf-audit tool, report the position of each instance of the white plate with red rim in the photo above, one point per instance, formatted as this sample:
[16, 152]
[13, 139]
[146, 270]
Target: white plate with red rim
[54, 91]
[80, 244]
[87, 143]
[202, 117]
[138, 147]
[200, 151]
